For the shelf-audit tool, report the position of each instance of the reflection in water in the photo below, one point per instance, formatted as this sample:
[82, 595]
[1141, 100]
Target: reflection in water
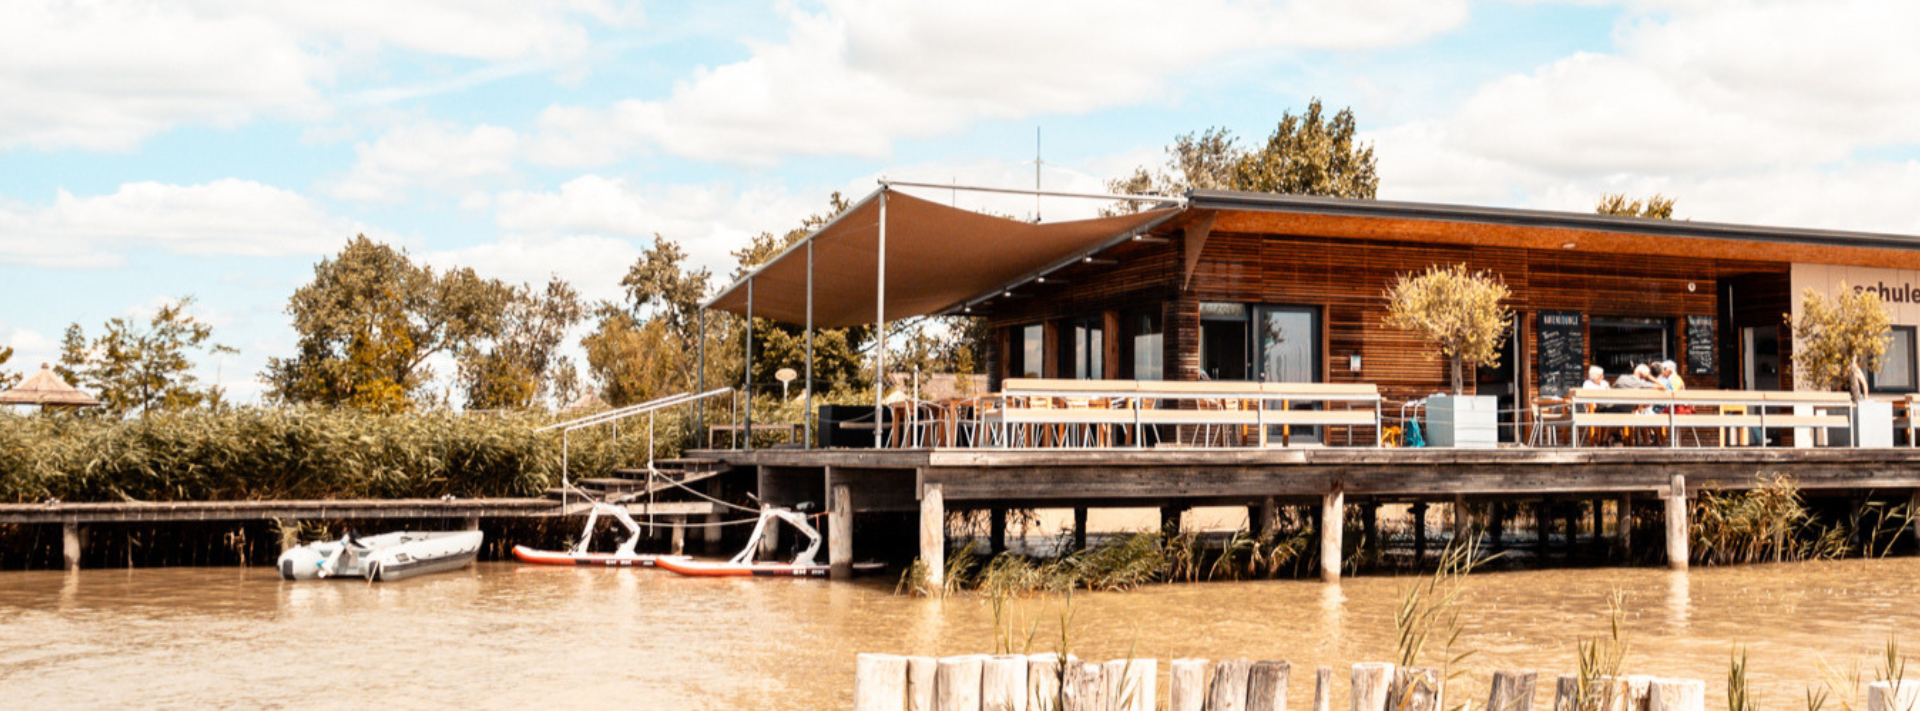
[502, 635]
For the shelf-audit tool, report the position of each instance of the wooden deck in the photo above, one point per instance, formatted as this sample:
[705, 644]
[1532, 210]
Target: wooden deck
[330, 509]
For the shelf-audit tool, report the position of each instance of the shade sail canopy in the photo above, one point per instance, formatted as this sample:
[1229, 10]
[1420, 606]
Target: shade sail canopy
[46, 389]
[937, 258]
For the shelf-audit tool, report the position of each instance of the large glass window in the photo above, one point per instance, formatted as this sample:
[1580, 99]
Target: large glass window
[1025, 351]
[1082, 349]
[1896, 373]
[1143, 345]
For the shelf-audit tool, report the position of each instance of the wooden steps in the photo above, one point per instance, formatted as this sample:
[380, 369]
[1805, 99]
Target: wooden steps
[628, 484]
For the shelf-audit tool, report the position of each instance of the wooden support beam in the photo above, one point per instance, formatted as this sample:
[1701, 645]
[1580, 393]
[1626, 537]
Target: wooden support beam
[840, 533]
[1196, 240]
[933, 535]
[71, 536]
[712, 539]
[1370, 526]
[1496, 525]
[1542, 528]
[997, 530]
[1623, 525]
[1333, 521]
[1170, 517]
[1462, 520]
[679, 534]
[1269, 517]
[1080, 528]
[1419, 532]
[1677, 528]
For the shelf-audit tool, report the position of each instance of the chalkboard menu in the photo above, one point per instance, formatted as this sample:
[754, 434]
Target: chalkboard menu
[1700, 337]
[1563, 353]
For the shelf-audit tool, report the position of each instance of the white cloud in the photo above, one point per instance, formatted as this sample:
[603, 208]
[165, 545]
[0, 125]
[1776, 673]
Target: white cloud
[104, 74]
[863, 73]
[429, 155]
[223, 217]
[30, 349]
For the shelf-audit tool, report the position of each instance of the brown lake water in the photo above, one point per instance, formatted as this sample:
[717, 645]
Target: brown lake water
[502, 635]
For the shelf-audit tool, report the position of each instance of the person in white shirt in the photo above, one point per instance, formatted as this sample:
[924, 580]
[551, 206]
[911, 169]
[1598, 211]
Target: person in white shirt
[1596, 379]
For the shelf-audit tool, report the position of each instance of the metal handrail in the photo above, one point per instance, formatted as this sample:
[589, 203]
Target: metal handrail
[632, 410]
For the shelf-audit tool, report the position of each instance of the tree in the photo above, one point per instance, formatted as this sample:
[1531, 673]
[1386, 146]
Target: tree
[1204, 160]
[513, 369]
[7, 379]
[1311, 154]
[1456, 311]
[136, 369]
[370, 320]
[1837, 339]
[1658, 207]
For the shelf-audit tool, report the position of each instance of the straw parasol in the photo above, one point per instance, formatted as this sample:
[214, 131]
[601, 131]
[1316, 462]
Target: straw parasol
[46, 389]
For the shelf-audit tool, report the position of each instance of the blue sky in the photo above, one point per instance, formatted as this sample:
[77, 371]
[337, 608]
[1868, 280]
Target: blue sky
[219, 149]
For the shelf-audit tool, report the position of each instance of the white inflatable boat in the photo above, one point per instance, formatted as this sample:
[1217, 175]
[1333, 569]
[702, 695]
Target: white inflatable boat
[388, 556]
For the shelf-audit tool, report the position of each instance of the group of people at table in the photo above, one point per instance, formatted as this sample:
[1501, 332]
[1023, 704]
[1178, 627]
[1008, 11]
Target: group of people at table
[1642, 378]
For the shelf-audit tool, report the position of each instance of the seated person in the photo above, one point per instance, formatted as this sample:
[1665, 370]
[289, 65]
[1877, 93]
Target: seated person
[1670, 377]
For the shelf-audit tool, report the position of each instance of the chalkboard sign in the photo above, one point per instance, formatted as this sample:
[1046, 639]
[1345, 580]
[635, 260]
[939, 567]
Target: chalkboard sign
[1700, 341]
[1563, 353]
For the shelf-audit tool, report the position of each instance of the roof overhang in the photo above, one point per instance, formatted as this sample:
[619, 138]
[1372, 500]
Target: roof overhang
[939, 259]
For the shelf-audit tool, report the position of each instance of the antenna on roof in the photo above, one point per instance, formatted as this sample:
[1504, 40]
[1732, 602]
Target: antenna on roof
[1036, 175]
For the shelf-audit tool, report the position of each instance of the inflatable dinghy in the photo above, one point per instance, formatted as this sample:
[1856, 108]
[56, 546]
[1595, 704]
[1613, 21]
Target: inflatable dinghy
[385, 557]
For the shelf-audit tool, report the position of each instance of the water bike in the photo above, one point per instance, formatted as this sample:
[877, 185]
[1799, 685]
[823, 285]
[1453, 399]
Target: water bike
[625, 557]
[386, 557]
[743, 565]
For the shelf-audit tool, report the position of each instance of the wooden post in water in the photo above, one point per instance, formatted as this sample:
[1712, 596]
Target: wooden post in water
[956, 684]
[1542, 528]
[1462, 520]
[921, 672]
[1566, 693]
[1083, 687]
[1132, 684]
[1323, 689]
[1683, 695]
[1415, 689]
[1913, 514]
[840, 533]
[1333, 521]
[1371, 682]
[1187, 685]
[1496, 525]
[679, 534]
[1270, 517]
[1228, 690]
[1003, 683]
[70, 538]
[1267, 686]
[472, 523]
[1677, 524]
[1881, 696]
[1512, 690]
[1420, 531]
[1370, 526]
[1170, 519]
[1080, 528]
[879, 682]
[933, 535]
[997, 530]
[1623, 525]
[1043, 681]
[713, 532]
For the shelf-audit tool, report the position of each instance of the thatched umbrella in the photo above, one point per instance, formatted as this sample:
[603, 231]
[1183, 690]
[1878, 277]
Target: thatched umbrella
[46, 389]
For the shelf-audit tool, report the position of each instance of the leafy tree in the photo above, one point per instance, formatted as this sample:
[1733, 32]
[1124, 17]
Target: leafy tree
[136, 369]
[513, 369]
[1202, 160]
[1311, 154]
[1658, 207]
[1456, 311]
[7, 379]
[633, 360]
[1838, 338]
[370, 320]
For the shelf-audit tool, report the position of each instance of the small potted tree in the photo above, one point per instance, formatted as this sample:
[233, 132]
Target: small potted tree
[1458, 312]
[1836, 342]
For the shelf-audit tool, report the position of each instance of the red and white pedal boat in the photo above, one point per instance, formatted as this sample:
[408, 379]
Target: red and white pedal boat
[742, 564]
[610, 560]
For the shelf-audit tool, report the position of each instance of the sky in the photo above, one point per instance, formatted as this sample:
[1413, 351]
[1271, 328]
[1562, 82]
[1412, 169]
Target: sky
[220, 148]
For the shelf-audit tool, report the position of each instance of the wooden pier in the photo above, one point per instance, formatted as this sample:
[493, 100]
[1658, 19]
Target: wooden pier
[932, 481]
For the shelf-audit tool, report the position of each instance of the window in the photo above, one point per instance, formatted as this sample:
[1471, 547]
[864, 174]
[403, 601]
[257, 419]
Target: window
[1082, 349]
[1024, 351]
[1143, 345]
[1896, 373]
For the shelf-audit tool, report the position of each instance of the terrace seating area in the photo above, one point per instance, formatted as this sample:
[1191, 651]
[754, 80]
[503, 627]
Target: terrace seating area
[1726, 416]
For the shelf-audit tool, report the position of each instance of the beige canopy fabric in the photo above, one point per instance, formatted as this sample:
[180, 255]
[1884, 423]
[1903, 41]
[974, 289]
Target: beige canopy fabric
[937, 258]
[46, 389]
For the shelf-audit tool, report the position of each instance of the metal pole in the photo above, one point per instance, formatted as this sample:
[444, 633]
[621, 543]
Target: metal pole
[880, 318]
[747, 427]
[806, 415]
[700, 384]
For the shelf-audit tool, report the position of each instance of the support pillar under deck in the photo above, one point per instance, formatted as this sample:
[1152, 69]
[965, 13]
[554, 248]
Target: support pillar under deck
[933, 535]
[71, 536]
[1333, 521]
[1080, 528]
[840, 533]
[1677, 553]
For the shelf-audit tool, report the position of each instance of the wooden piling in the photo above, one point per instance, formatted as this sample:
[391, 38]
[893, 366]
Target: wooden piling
[997, 530]
[956, 683]
[1677, 524]
[1370, 526]
[1512, 690]
[1542, 528]
[1003, 683]
[1333, 520]
[1170, 517]
[921, 673]
[1566, 693]
[1228, 689]
[1267, 686]
[933, 535]
[70, 537]
[679, 534]
[1623, 526]
[1462, 520]
[1682, 694]
[1496, 526]
[1371, 683]
[1415, 689]
[1187, 685]
[1270, 517]
[471, 523]
[879, 682]
[840, 533]
[1080, 528]
[1132, 684]
[1043, 681]
[1419, 512]
[1323, 689]
[713, 532]
[1881, 696]
[1083, 687]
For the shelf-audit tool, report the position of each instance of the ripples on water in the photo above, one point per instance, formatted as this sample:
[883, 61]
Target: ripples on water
[502, 635]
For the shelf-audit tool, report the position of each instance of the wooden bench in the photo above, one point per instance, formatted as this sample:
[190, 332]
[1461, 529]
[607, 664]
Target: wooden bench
[1138, 404]
[1753, 406]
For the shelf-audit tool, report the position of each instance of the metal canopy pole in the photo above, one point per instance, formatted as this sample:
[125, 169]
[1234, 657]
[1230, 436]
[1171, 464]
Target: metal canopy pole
[700, 384]
[747, 426]
[806, 414]
[880, 318]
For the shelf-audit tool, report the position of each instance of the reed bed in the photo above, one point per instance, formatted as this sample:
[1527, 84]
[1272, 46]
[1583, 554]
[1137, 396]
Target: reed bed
[308, 453]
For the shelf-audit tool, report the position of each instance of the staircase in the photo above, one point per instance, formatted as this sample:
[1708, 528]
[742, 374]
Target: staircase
[632, 484]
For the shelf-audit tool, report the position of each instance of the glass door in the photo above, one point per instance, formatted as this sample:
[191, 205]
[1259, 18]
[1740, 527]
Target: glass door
[1289, 352]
